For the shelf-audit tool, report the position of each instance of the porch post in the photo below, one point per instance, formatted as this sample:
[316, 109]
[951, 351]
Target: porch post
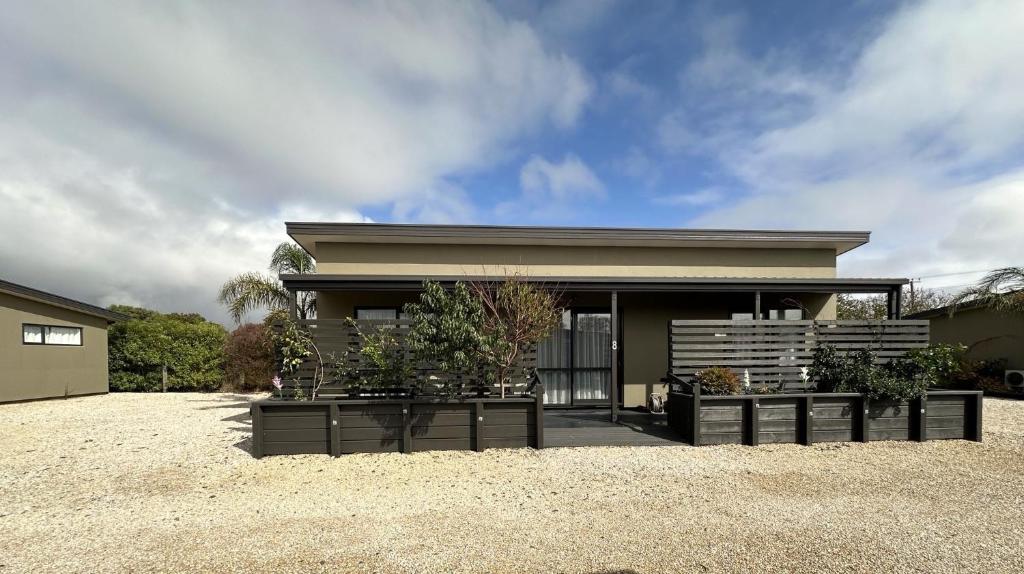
[757, 305]
[898, 307]
[889, 300]
[615, 356]
[293, 306]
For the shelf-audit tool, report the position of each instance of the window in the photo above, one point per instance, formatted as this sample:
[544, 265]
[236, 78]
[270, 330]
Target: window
[50, 335]
[786, 314]
[380, 313]
[742, 316]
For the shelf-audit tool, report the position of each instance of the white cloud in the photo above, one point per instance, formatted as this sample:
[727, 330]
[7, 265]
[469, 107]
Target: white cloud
[920, 143]
[151, 150]
[701, 197]
[542, 180]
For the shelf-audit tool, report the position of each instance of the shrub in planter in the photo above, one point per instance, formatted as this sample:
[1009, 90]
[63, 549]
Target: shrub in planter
[386, 365]
[857, 372]
[718, 381]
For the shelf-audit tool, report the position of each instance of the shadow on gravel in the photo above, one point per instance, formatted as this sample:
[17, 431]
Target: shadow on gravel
[242, 417]
[244, 445]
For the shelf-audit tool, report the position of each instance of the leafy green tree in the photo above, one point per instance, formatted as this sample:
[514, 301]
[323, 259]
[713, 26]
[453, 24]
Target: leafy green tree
[446, 328]
[188, 347]
[874, 307]
[254, 290]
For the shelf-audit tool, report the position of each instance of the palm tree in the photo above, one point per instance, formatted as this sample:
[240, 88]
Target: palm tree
[254, 290]
[1002, 290]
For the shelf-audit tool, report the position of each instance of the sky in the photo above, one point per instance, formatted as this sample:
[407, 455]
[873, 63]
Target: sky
[151, 150]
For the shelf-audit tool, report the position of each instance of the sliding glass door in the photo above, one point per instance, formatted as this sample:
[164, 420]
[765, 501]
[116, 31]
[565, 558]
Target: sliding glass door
[575, 362]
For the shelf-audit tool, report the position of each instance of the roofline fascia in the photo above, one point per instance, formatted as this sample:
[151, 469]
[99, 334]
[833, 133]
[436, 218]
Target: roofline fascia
[44, 297]
[569, 234]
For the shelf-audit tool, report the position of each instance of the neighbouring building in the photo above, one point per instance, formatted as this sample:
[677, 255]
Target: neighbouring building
[51, 346]
[622, 286]
[987, 333]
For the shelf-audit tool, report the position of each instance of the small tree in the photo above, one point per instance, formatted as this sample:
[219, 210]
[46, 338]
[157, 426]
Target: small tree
[294, 346]
[516, 315]
[446, 328]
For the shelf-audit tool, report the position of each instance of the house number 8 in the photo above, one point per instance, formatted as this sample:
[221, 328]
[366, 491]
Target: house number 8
[615, 345]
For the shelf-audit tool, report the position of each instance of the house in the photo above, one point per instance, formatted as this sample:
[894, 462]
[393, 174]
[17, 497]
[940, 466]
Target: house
[987, 333]
[51, 346]
[621, 285]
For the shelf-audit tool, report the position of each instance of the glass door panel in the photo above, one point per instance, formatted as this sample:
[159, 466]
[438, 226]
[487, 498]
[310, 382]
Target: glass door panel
[592, 343]
[554, 363]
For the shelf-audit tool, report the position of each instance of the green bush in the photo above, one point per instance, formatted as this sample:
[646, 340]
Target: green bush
[939, 365]
[386, 364]
[191, 348]
[857, 372]
[718, 381]
[249, 359]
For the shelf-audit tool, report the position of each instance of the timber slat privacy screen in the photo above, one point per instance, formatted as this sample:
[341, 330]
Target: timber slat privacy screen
[773, 352]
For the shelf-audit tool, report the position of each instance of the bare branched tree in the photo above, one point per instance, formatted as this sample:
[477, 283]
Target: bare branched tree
[517, 315]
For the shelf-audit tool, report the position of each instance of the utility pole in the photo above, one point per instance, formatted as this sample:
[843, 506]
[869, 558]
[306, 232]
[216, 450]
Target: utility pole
[912, 307]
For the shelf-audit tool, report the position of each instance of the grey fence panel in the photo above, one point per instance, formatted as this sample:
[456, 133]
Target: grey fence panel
[773, 353]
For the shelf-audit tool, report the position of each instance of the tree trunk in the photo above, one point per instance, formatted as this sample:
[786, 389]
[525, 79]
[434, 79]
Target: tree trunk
[163, 378]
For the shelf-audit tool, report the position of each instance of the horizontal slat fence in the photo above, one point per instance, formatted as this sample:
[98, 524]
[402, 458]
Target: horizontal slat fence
[773, 352]
[339, 341]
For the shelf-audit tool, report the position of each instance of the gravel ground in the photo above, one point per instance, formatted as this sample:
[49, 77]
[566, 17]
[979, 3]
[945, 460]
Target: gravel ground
[165, 483]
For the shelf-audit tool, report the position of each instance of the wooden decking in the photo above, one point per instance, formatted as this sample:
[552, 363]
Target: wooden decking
[566, 428]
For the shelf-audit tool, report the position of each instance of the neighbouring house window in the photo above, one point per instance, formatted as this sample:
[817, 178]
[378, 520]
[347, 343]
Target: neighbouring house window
[786, 314]
[380, 313]
[51, 335]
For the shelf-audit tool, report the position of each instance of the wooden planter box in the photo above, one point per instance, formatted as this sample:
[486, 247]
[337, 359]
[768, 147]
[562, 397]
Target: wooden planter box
[345, 426]
[806, 418]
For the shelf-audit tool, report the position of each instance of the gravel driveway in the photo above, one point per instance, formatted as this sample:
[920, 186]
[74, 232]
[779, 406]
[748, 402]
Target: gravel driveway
[165, 483]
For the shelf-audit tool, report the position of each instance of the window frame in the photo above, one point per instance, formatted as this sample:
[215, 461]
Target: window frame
[42, 334]
[398, 312]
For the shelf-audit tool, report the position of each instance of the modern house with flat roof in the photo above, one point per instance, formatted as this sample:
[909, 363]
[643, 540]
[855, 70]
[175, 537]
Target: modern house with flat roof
[621, 286]
[51, 346]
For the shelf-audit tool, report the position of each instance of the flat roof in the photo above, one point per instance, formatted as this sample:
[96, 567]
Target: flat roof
[307, 234]
[59, 301]
[329, 282]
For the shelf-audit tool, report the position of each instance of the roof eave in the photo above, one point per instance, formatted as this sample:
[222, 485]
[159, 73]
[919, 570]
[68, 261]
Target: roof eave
[307, 234]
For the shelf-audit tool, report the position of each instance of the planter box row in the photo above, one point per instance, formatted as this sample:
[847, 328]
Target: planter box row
[823, 417]
[345, 426]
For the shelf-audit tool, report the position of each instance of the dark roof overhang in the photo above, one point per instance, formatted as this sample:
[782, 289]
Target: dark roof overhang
[58, 301]
[327, 282]
[307, 234]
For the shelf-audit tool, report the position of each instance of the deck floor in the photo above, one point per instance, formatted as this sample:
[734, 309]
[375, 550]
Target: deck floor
[592, 427]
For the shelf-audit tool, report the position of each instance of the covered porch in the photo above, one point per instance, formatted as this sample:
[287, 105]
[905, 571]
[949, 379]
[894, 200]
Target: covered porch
[613, 349]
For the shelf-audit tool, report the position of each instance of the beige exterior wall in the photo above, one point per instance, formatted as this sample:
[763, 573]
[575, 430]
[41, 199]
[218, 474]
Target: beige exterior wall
[41, 371]
[990, 335]
[586, 261]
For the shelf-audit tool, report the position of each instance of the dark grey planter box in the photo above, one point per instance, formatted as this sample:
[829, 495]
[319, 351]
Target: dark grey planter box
[345, 426]
[806, 418]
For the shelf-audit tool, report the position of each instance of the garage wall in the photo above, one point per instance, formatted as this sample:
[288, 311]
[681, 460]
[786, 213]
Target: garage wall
[42, 371]
[991, 335]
